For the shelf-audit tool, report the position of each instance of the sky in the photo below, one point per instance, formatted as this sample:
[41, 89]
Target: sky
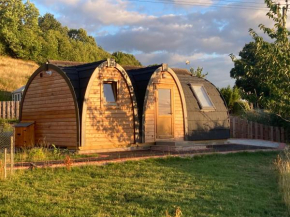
[203, 32]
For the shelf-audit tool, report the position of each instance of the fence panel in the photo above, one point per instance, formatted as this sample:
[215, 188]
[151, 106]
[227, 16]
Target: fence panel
[9, 109]
[241, 128]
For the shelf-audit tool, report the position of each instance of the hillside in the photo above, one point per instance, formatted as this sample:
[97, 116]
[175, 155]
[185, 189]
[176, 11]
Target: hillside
[14, 73]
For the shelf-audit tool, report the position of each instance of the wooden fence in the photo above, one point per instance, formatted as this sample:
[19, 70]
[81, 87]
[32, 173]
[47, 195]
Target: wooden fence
[241, 128]
[9, 109]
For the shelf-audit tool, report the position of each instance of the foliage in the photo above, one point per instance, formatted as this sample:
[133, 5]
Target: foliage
[242, 184]
[272, 63]
[231, 95]
[266, 117]
[7, 127]
[250, 84]
[283, 166]
[19, 31]
[43, 153]
[198, 72]
[240, 107]
[5, 95]
[26, 35]
[125, 59]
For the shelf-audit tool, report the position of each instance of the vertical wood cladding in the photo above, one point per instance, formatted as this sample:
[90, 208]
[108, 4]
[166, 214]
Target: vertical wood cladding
[49, 102]
[108, 125]
[150, 109]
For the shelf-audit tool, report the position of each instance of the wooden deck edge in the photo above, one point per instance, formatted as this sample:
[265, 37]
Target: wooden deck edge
[142, 146]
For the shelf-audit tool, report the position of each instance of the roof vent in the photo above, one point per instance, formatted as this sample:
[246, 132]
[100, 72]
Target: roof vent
[111, 62]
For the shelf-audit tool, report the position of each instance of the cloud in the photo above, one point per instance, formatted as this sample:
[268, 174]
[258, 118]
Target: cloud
[218, 67]
[92, 14]
[169, 34]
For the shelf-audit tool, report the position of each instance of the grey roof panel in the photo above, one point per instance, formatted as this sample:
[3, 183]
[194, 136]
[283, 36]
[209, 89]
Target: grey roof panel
[203, 125]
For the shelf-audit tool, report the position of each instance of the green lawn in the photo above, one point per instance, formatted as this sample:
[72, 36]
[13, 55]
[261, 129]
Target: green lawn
[244, 184]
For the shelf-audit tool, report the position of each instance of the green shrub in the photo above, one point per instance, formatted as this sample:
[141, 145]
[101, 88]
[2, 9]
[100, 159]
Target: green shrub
[240, 107]
[37, 154]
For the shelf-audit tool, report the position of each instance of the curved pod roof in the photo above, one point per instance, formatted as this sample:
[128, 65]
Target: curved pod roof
[89, 86]
[203, 123]
[50, 69]
[142, 79]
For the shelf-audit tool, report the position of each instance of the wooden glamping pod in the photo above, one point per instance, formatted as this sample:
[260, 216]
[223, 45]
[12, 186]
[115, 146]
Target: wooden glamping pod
[176, 106]
[86, 107]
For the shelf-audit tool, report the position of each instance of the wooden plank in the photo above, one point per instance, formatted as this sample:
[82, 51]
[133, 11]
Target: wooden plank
[43, 108]
[234, 128]
[51, 117]
[4, 110]
[43, 138]
[8, 104]
[32, 96]
[48, 82]
[256, 131]
[271, 133]
[1, 110]
[55, 134]
[72, 120]
[71, 111]
[282, 135]
[55, 100]
[118, 140]
[278, 138]
[67, 127]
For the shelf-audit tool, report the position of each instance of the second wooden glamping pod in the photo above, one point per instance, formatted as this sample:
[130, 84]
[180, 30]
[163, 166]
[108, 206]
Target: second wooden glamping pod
[176, 106]
[82, 106]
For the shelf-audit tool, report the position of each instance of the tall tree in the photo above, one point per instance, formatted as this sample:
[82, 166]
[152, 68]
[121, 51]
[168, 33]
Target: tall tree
[249, 83]
[19, 31]
[273, 62]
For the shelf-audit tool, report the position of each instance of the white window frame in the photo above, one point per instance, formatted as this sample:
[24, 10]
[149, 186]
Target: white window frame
[205, 95]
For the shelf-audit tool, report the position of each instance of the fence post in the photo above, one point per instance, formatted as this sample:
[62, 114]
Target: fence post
[271, 133]
[282, 135]
[5, 163]
[17, 109]
[278, 139]
[7, 109]
[11, 155]
[12, 109]
[3, 110]
[234, 127]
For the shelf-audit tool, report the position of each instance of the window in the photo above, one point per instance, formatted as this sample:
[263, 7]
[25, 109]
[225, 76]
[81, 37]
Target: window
[110, 91]
[202, 97]
[164, 101]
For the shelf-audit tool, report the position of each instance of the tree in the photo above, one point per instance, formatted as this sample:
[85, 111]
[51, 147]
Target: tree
[250, 84]
[48, 22]
[273, 63]
[198, 72]
[231, 95]
[125, 59]
[19, 31]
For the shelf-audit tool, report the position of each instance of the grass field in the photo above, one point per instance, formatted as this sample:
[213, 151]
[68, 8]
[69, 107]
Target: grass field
[244, 184]
[14, 73]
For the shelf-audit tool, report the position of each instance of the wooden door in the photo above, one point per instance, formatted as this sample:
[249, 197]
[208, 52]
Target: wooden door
[164, 113]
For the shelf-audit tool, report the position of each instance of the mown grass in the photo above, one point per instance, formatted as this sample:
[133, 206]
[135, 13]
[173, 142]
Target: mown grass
[244, 184]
